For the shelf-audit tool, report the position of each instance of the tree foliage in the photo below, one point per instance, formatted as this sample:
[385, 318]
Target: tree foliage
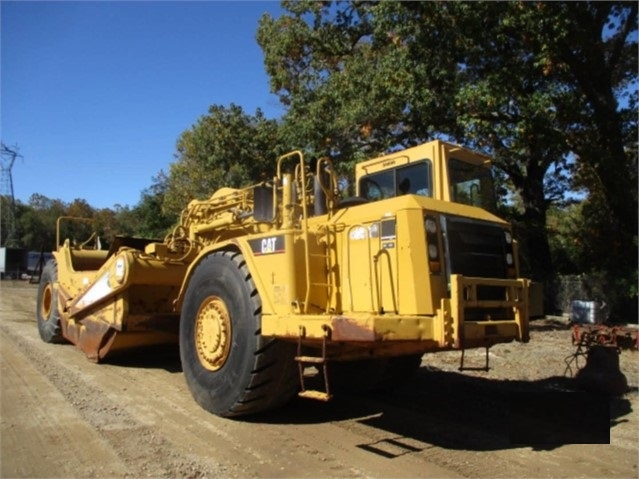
[37, 220]
[149, 216]
[510, 78]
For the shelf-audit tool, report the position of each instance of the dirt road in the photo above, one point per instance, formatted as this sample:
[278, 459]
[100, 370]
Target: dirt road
[62, 416]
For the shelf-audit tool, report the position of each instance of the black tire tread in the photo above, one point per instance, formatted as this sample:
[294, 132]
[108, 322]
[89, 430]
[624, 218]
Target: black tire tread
[273, 375]
[274, 363]
[49, 329]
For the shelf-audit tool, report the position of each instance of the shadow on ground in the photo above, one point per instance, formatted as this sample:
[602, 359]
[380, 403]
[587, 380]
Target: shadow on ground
[456, 411]
[152, 357]
[450, 410]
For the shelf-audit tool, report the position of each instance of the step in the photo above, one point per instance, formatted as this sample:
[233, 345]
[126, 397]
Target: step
[317, 395]
[309, 359]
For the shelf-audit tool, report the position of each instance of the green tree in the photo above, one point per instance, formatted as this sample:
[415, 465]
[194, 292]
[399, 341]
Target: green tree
[594, 50]
[396, 73]
[107, 225]
[38, 222]
[344, 77]
[9, 225]
[79, 232]
[151, 220]
[568, 240]
[226, 148]
[360, 77]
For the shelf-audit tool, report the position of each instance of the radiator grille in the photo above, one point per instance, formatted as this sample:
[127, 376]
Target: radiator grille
[475, 248]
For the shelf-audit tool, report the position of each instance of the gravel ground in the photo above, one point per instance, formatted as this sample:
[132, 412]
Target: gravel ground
[62, 416]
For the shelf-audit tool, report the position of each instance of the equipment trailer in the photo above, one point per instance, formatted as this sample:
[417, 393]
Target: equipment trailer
[258, 284]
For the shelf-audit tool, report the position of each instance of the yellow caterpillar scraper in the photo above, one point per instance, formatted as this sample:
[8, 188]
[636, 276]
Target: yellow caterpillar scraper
[260, 284]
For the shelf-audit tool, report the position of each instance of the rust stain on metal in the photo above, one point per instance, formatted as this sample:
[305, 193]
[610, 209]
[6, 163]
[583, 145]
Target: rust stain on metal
[92, 339]
[106, 343]
[347, 329]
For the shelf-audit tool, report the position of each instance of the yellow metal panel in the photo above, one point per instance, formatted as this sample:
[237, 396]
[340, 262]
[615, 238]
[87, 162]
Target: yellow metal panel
[414, 291]
[276, 274]
[359, 291]
[318, 283]
[392, 160]
[353, 327]
[483, 332]
[441, 174]
[127, 268]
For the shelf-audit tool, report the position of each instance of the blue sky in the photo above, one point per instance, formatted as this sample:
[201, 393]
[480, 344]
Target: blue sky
[96, 94]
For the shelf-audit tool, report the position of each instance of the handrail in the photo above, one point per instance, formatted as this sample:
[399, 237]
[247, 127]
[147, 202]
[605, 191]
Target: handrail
[281, 159]
[74, 218]
[330, 191]
[330, 263]
[299, 173]
[378, 280]
[299, 176]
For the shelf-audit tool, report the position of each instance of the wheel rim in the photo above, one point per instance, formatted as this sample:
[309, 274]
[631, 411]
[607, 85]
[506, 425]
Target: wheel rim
[212, 333]
[47, 301]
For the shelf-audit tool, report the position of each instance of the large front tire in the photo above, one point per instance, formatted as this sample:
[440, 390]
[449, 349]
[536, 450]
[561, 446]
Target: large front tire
[230, 369]
[47, 314]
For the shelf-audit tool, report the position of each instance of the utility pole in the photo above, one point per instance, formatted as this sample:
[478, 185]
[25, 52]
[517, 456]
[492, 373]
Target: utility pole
[7, 198]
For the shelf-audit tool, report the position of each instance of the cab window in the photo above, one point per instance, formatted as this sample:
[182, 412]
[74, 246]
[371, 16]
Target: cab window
[412, 179]
[471, 184]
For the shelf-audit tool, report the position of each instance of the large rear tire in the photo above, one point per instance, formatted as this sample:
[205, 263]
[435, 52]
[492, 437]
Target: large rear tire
[47, 314]
[229, 367]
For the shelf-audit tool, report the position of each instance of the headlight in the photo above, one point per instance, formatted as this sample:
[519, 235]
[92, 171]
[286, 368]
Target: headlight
[509, 237]
[431, 226]
[432, 251]
[509, 259]
[120, 269]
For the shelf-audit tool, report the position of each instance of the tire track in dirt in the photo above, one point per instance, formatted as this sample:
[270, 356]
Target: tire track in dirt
[144, 410]
[443, 424]
[134, 442]
[33, 429]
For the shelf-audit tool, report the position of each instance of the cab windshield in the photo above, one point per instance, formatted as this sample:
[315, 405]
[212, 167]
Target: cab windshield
[471, 185]
[414, 179]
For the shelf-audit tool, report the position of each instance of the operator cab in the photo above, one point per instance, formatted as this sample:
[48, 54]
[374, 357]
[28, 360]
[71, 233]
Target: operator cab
[436, 169]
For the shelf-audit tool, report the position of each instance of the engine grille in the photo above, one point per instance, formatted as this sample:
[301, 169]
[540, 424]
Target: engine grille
[474, 248]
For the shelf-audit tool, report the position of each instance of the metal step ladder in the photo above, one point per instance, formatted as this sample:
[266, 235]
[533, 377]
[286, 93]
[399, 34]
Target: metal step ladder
[318, 361]
[328, 284]
[486, 366]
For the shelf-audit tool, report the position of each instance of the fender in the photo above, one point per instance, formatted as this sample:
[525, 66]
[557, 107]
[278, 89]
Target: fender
[241, 246]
